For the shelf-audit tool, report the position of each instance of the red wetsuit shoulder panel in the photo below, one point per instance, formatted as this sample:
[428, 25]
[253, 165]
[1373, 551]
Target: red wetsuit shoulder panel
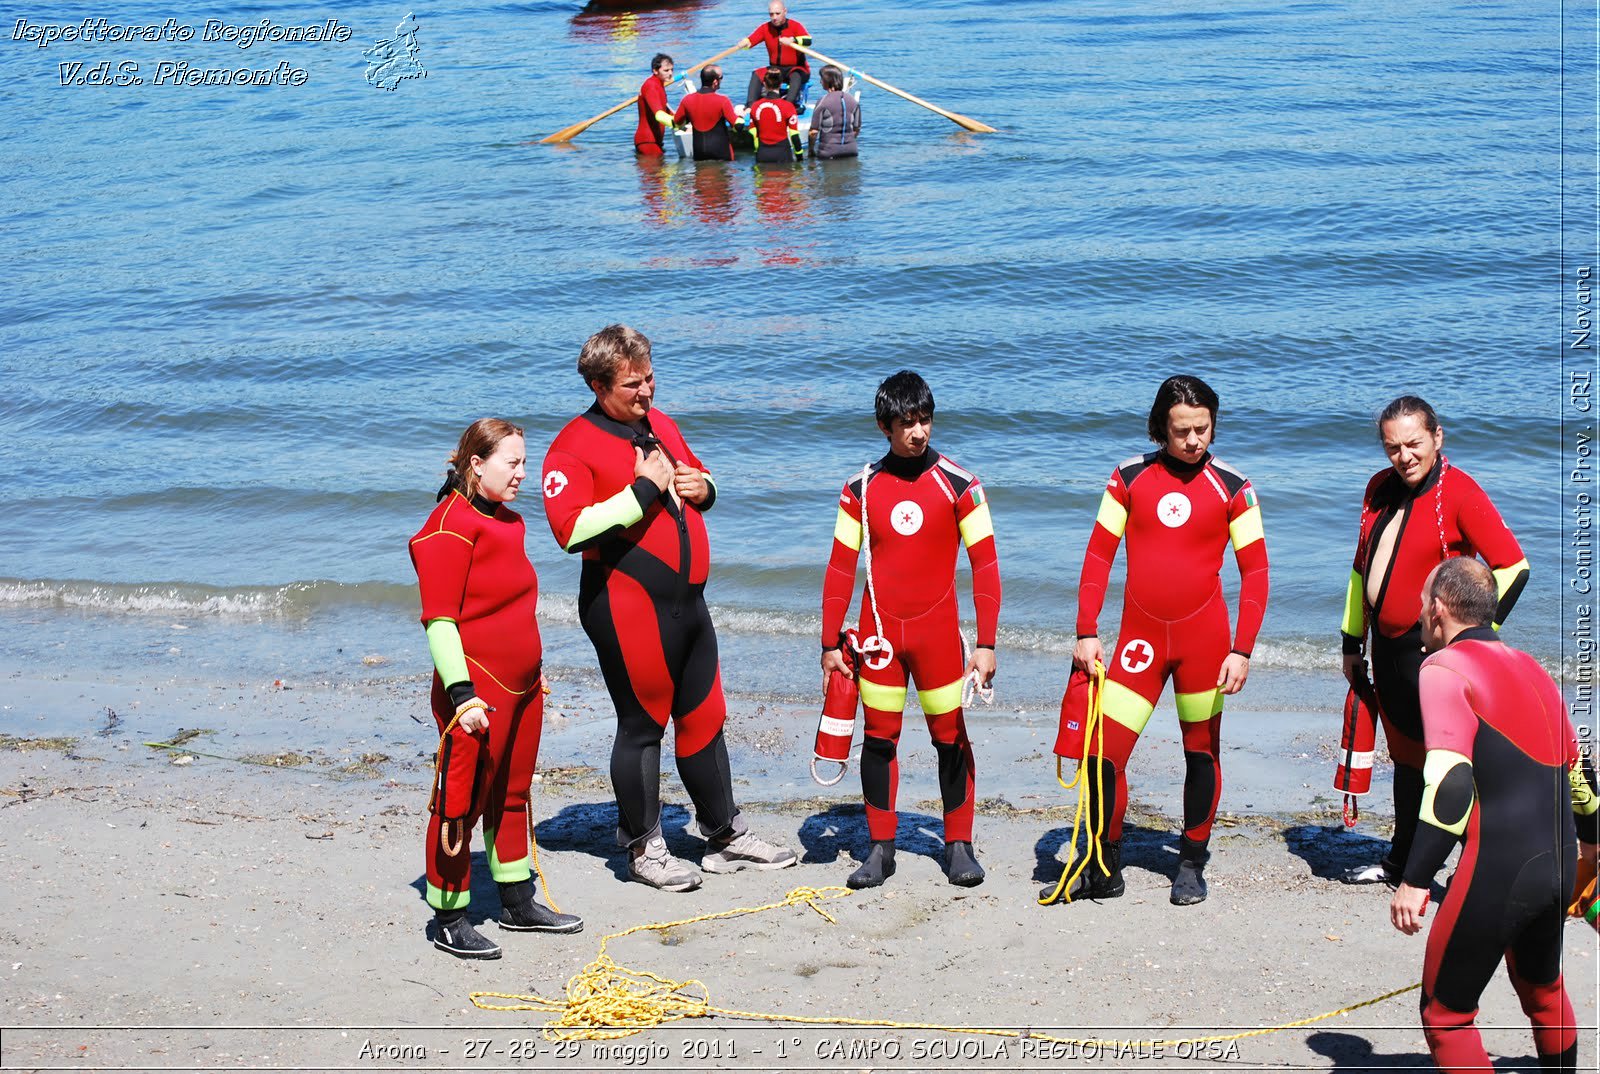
[473, 568]
[774, 119]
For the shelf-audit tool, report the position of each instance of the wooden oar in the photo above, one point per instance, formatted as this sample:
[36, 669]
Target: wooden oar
[567, 134]
[955, 117]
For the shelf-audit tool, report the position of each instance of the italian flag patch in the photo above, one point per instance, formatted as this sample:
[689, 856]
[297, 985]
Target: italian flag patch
[1250, 497]
[977, 495]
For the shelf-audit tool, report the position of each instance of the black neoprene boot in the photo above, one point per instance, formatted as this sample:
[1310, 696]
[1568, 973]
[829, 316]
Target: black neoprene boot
[1092, 883]
[520, 913]
[878, 867]
[961, 865]
[1189, 886]
[455, 934]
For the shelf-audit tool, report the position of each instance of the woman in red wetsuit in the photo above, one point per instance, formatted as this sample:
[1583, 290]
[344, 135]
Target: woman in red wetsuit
[479, 595]
[1179, 507]
[1415, 514]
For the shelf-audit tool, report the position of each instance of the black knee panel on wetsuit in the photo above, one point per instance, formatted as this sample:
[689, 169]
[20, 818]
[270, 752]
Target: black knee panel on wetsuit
[877, 755]
[1199, 787]
[954, 768]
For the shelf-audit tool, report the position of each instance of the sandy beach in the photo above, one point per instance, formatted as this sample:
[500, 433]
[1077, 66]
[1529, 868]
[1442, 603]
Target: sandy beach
[173, 910]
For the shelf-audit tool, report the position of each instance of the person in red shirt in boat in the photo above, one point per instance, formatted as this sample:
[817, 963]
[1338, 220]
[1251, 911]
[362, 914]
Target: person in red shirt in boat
[654, 115]
[776, 33]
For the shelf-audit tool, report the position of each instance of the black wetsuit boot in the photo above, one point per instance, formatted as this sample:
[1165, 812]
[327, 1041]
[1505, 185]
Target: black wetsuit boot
[961, 865]
[1189, 886]
[878, 867]
[520, 913]
[1094, 884]
[455, 934]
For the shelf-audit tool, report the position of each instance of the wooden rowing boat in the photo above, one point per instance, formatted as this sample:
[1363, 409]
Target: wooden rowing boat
[684, 138]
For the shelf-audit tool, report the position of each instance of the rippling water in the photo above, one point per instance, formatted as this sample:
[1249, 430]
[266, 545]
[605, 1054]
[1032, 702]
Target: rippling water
[243, 326]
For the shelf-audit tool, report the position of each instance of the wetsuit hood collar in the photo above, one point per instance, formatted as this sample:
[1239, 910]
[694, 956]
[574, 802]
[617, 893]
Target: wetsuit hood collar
[1178, 466]
[1405, 492]
[597, 415]
[909, 469]
[1477, 633]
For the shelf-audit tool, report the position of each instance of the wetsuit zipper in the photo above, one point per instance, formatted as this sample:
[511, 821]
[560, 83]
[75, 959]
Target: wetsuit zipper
[677, 511]
[1394, 552]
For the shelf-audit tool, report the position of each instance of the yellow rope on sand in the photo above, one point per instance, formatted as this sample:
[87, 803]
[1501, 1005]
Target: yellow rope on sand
[605, 1001]
[1094, 732]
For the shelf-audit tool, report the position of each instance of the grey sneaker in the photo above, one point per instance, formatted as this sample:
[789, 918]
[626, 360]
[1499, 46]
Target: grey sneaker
[660, 869]
[746, 851]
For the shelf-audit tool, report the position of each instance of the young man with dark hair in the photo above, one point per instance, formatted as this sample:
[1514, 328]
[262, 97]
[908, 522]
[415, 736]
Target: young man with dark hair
[1503, 776]
[1179, 507]
[654, 115]
[911, 510]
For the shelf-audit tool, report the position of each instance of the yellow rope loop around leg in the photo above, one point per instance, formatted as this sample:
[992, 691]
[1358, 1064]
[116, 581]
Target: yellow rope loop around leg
[1094, 725]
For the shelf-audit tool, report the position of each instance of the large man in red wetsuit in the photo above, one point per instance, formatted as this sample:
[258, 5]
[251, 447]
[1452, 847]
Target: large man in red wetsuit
[710, 117]
[622, 487]
[1504, 777]
[777, 33]
[911, 510]
[774, 127]
[1179, 508]
[1414, 515]
[654, 113]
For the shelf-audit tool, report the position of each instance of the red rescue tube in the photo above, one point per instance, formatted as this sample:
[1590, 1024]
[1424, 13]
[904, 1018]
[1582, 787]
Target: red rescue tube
[836, 729]
[1074, 716]
[1357, 741]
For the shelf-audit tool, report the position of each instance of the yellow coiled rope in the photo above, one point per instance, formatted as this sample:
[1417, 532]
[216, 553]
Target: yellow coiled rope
[1094, 734]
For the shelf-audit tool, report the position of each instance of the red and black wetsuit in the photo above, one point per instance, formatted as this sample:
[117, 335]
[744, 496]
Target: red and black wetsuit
[796, 66]
[647, 137]
[919, 511]
[773, 123]
[641, 600]
[1178, 518]
[1504, 777]
[473, 570]
[1446, 515]
[712, 119]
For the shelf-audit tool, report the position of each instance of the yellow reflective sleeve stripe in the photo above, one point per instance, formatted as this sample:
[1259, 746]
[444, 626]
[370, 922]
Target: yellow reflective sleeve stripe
[1126, 707]
[977, 525]
[1112, 515]
[941, 699]
[1584, 800]
[1438, 765]
[883, 698]
[444, 645]
[847, 531]
[1507, 575]
[1246, 529]
[504, 872]
[1198, 707]
[621, 510]
[1355, 607]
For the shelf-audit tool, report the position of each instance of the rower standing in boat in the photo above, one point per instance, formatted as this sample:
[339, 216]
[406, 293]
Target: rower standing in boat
[710, 117]
[836, 121]
[774, 33]
[654, 115]
[774, 126]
